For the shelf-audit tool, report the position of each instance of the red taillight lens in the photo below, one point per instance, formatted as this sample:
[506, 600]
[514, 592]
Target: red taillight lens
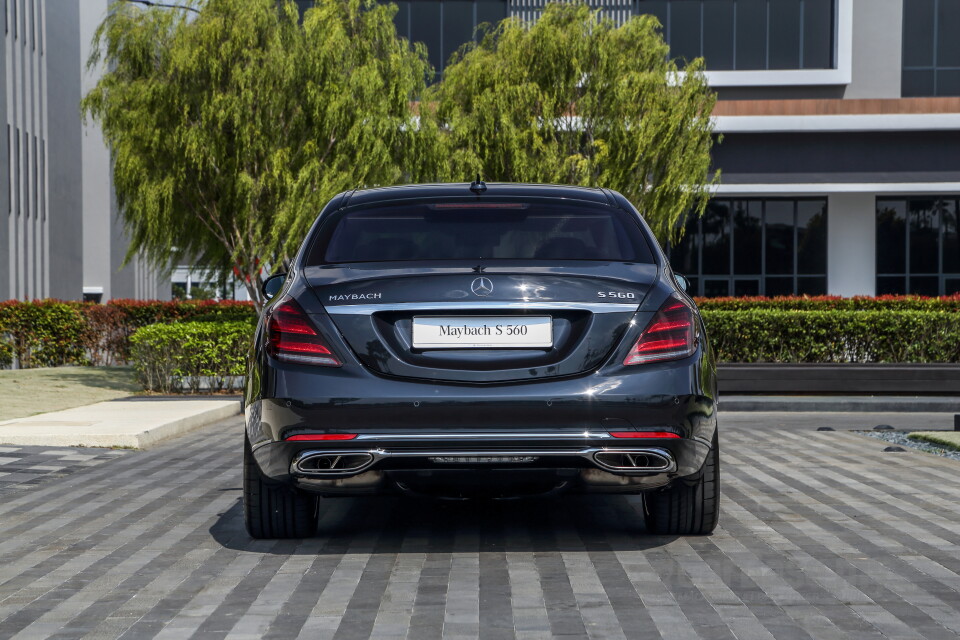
[313, 437]
[672, 334]
[292, 338]
[644, 434]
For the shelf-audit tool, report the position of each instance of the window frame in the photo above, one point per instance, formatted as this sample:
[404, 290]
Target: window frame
[934, 68]
[699, 278]
[908, 273]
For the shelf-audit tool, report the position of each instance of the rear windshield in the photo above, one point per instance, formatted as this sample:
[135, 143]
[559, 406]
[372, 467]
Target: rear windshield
[494, 231]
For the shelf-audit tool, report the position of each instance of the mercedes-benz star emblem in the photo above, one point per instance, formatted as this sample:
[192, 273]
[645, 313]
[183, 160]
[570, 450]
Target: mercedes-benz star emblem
[482, 287]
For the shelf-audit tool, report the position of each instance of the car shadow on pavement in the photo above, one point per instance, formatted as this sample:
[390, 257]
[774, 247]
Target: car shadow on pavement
[421, 525]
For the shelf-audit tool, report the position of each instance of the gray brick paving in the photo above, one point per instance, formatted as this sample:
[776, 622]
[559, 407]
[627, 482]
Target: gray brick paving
[822, 536]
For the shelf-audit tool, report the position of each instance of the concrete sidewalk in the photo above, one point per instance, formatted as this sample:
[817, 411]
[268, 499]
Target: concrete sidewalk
[135, 422]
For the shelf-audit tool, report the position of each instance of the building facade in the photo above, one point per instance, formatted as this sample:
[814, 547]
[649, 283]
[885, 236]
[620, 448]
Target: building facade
[61, 237]
[840, 121]
[840, 124]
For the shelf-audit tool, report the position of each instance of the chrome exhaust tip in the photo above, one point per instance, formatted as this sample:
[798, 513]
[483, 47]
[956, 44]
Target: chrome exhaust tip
[325, 463]
[636, 460]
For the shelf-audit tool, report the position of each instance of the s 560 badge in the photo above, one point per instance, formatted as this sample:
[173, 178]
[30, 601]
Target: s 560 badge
[624, 295]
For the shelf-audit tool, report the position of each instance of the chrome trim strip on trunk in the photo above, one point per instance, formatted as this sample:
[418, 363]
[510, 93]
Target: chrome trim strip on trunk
[470, 305]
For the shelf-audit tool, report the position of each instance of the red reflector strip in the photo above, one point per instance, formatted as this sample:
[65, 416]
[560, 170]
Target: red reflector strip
[661, 345]
[302, 347]
[323, 436]
[644, 434]
[485, 205]
[668, 326]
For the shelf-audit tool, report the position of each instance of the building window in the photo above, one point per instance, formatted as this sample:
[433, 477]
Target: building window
[445, 25]
[729, 34]
[748, 34]
[918, 246]
[755, 247]
[931, 48]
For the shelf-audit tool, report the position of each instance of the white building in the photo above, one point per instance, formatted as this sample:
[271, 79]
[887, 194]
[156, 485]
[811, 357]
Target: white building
[61, 236]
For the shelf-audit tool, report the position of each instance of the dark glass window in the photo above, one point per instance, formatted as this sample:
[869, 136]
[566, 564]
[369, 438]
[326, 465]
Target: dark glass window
[468, 231]
[811, 236]
[715, 230]
[686, 255]
[751, 247]
[491, 12]
[729, 34]
[685, 29]
[445, 25]
[924, 236]
[817, 34]
[784, 38]
[891, 231]
[718, 36]
[748, 34]
[780, 228]
[931, 48]
[748, 234]
[426, 26]
[918, 250]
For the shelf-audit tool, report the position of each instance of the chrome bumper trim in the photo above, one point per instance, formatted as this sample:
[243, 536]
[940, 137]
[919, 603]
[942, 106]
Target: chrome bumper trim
[381, 454]
[480, 436]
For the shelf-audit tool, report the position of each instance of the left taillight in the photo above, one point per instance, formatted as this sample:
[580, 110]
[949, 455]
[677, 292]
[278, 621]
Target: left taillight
[671, 334]
[291, 337]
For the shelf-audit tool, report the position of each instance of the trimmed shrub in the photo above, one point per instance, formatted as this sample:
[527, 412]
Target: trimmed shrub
[106, 337]
[43, 333]
[825, 303]
[139, 313]
[191, 356]
[50, 332]
[774, 335]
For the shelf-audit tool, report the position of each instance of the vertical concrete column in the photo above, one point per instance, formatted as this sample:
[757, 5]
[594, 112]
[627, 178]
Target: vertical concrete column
[877, 49]
[851, 244]
[97, 199]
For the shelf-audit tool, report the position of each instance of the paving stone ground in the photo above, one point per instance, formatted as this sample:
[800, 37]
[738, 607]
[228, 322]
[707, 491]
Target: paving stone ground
[822, 536]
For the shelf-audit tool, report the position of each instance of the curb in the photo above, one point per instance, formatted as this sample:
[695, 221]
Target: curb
[841, 404]
[180, 427]
[114, 424]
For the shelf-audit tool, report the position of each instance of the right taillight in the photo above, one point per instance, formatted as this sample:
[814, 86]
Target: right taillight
[671, 334]
[291, 337]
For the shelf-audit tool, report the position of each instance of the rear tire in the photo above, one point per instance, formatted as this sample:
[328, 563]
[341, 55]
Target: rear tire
[688, 508]
[274, 511]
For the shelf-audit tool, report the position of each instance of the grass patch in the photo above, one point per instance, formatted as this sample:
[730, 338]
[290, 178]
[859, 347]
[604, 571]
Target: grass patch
[947, 439]
[27, 392]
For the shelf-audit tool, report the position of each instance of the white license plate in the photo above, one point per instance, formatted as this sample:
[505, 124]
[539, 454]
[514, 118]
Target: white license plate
[482, 332]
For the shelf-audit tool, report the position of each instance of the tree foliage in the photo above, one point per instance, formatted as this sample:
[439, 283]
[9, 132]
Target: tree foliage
[232, 122]
[575, 99]
[230, 126]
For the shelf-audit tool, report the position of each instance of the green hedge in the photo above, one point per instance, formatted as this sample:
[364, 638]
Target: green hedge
[774, 335]
[45, 333]
[191, 356]
[825, 303]
[795, 329]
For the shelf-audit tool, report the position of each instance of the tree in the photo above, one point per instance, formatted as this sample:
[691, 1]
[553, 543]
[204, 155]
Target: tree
[575, 99]
[231, 122]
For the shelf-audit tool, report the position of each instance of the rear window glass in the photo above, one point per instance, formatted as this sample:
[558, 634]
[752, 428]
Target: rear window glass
[493, 231]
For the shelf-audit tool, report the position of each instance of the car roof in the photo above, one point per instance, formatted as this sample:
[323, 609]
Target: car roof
[462, 189]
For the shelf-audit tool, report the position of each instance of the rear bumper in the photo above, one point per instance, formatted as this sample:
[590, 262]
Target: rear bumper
[504, 469]
[410, 432]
